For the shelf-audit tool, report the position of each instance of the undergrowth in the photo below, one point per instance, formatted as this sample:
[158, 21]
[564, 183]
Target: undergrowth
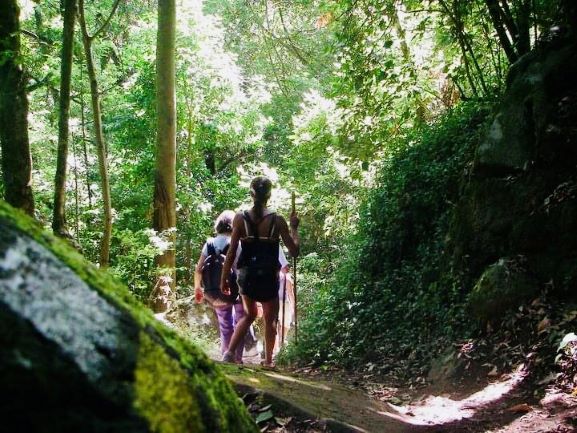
[393, 295]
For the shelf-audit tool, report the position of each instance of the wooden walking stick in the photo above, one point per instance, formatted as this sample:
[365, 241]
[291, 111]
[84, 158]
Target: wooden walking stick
[295, 281]
[283, 311]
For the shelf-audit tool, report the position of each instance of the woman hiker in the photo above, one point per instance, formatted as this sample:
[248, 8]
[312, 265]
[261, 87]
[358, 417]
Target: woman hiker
[258, 230]
[207, 276]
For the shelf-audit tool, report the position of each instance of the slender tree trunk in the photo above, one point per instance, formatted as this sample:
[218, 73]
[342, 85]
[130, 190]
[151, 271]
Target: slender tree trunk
[16, 159]
[100, 142]
[497, 19]
[165, 167]
[524, 27]
[59, 213]
[457, 30]
[76, 194]
[84, 147]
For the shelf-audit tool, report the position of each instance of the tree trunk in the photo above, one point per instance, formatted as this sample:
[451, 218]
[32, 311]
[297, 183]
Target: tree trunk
[16, 159]
[59, 214]
[524, 27]
[497, 19]
[76, 194]
[84, 146]
[100, 142]
[164, 220]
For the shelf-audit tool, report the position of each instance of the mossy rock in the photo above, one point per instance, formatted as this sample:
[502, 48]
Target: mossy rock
[536, 115]
[502, 287]
[79, 354]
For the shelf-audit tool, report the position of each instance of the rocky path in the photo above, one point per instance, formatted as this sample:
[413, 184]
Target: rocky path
[502, 406]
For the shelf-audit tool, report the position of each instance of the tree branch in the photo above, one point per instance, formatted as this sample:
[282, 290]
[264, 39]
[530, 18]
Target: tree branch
[41, 39]
[107, 21]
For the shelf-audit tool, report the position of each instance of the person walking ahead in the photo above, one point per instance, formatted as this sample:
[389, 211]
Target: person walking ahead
[258, 230]
[208, 273]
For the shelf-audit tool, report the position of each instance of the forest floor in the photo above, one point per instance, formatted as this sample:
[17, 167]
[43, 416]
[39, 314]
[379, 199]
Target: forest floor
[510, 379]
[308, 400]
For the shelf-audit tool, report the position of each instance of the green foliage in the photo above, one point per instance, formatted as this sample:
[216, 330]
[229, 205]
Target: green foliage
[342, 102]
[391, 293]
[133, 263]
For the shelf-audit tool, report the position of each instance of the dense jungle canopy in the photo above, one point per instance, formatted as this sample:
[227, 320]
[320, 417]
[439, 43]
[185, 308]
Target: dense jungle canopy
[128, 126]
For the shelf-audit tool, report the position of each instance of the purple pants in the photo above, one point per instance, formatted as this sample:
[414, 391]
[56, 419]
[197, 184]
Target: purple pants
[228, 317]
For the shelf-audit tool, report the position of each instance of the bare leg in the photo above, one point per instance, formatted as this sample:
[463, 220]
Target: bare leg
[243, 325]
[270, 313]
[237, 315]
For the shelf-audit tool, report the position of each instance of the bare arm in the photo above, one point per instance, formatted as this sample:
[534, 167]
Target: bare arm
[198, 293]
[290, 238]
[231, 253]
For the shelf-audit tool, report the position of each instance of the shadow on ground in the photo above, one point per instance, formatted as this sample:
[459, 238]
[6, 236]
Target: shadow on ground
[498, 407]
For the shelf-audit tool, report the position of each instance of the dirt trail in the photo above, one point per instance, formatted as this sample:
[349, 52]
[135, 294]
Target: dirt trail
[499, 407]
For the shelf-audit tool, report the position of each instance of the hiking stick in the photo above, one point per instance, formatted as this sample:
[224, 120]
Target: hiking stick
[295, 281]
[295, 293]
[283, 312]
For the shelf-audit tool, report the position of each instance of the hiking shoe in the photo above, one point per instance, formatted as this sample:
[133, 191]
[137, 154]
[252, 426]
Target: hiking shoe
[228, 357]
[268, 365]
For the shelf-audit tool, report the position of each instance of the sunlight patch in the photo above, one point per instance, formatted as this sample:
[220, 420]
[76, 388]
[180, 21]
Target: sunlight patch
[437, 410]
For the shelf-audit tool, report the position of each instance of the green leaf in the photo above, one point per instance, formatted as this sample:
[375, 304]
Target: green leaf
[264, 416]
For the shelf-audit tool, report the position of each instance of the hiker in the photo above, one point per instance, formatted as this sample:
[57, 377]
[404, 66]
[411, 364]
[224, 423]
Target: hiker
[258, 231]
[286, 306]
[207, 276]
[284, 266]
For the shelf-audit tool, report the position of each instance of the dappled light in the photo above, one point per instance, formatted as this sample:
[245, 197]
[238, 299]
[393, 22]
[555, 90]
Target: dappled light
[362, 212]
[285, 378]
[439, 410]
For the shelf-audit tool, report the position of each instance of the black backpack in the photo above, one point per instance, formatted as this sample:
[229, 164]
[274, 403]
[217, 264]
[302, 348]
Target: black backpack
[211, 273]
[258, 264]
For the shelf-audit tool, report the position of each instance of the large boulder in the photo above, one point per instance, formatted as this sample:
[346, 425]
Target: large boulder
[526, 128]
[79, 354]
[503, 286]
[521, 196]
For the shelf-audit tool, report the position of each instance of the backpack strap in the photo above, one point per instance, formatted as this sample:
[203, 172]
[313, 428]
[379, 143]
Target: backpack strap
[225, 249]
[210, 248]
[248, 222]
[272, 225]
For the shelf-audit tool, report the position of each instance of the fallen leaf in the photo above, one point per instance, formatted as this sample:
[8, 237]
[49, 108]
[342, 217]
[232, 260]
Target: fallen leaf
[265, 408]
[520, 408]
[283, 421]
[493, 372]
[264, 416]
[543, 325]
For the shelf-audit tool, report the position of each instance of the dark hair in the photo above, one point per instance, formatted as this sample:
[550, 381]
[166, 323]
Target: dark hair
[260, 188]
[223, 223]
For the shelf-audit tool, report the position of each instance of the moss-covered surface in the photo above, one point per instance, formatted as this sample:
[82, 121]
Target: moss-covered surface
[176, 388]
[503, 286]
[342, 408]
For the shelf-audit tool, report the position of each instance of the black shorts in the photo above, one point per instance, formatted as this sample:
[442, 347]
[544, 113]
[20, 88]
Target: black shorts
[258, 287]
